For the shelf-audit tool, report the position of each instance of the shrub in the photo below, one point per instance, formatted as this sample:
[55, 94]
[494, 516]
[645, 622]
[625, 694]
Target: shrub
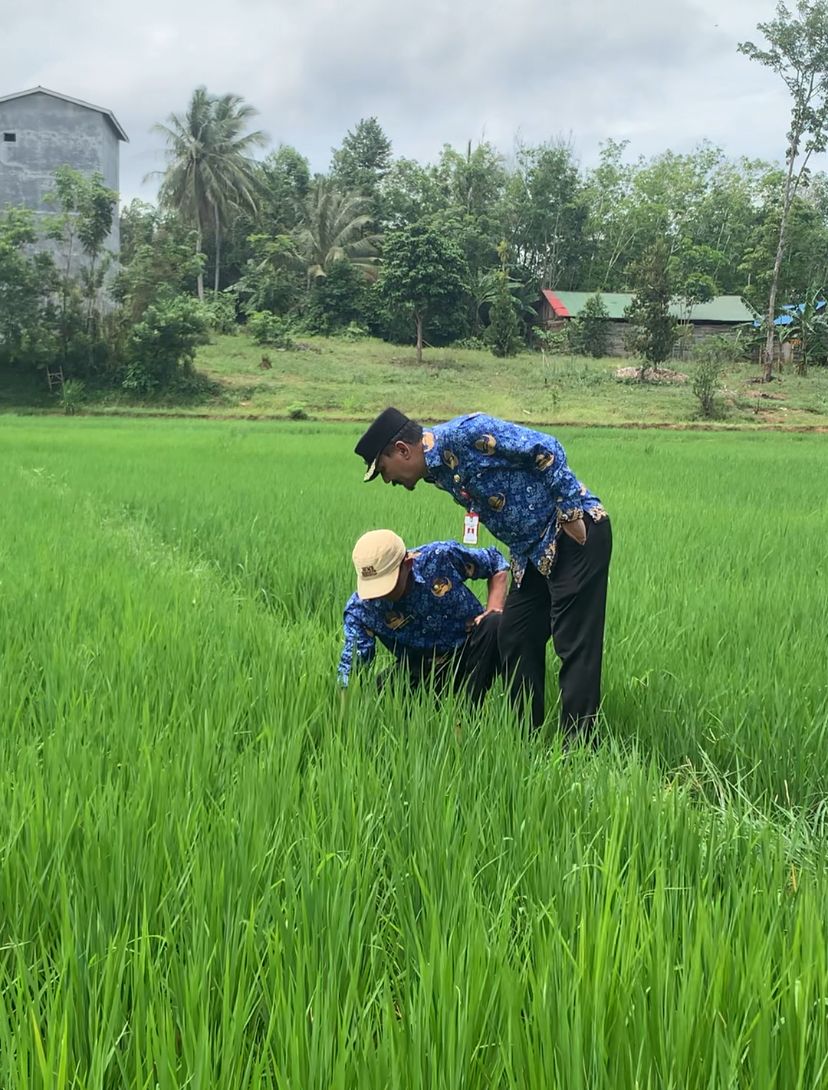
[588, 333]
[503, 332]
[555, 342]
[354, 332]
[712, 356]
[161, 347]
[270, 329]
[220, 313]
[72, 395]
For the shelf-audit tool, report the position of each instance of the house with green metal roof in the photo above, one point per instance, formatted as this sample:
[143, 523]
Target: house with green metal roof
[722, 314]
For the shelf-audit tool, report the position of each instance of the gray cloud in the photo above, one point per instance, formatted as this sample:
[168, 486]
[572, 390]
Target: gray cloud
[660, 73]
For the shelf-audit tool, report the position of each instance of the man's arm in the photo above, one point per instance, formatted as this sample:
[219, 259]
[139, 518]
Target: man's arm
[497, 586]
[488, 564]
[358, 641]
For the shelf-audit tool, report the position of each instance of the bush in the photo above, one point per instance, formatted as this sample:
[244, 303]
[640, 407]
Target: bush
[161, 347]
[72, 395]
[555, 342]
[220, 313]
[503, 332]
[588, 333]
[337, 300]
[297, 412]
[354, 332]
[270, 329]
[476, 343]
[707, 380]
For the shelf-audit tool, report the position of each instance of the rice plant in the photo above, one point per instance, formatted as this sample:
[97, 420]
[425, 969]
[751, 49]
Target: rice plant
[217, 872]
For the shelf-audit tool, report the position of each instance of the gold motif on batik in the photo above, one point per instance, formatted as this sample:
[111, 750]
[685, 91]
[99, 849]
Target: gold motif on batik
[544, 460]
[395, 620]
[547, 560]
[440, 587]
[486, 444]
[570, 516]
[451, 459]
[497, 502]
[428, 441]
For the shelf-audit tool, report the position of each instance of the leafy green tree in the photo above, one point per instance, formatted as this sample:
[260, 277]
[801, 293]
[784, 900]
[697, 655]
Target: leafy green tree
[84, 220]
[503, 332]
[27, 283]
[653, 329]
[161, 347]
[363, 160]
[273, 278]
[797, 51]
[157, 258]
[546, 216]
[80, 229]
[210, 175]
[410, 192]
[808, 329]
[806, 245]
[334, 226]
[338, 299]
[589, 331]
[138, 224]
[285, 181]
[690, 272]
[423, 273]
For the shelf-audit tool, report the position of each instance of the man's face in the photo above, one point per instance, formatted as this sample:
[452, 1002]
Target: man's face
[404, 464]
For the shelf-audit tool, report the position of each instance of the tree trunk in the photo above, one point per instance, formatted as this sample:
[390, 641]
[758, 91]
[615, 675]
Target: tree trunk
[767, 362]
[218, 250]
[419, 320]
[200, 280]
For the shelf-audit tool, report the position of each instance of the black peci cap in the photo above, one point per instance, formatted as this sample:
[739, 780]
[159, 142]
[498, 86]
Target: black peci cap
[388, 424]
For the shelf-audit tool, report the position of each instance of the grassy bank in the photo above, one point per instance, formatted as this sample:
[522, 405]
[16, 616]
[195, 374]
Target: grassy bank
[327, 378]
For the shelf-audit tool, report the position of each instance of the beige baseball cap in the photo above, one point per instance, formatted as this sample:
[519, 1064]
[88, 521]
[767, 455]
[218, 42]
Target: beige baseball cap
[377, 557]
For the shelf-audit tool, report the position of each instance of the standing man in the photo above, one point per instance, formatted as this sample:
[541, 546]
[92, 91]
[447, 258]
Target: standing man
[518, 483]
[418, 605]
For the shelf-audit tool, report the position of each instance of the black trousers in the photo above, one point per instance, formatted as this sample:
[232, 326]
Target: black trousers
[472, 667]
[569, 605]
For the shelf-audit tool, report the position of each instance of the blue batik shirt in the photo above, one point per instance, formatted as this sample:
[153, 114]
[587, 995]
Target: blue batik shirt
[435, 614]
[516, 479]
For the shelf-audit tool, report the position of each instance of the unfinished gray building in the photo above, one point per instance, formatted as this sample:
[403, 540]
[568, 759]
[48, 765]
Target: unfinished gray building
[41, 130]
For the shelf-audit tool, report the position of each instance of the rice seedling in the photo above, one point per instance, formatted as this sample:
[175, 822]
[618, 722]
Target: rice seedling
[216, 871]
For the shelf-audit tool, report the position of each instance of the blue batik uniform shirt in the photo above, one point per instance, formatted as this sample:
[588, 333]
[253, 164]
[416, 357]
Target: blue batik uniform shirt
[435, 614]
[516, 479]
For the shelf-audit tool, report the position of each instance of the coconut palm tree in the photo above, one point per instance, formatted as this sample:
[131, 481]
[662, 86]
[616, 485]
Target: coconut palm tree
[210, 175]
[334, 225]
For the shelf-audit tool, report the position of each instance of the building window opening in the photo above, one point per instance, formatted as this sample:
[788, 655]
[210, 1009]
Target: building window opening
[9, 137]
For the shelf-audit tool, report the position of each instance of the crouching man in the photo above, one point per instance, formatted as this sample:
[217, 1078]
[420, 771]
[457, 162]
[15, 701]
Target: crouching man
[417, 604]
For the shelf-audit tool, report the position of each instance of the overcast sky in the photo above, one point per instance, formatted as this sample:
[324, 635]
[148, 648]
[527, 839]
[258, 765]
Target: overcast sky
[659, 73]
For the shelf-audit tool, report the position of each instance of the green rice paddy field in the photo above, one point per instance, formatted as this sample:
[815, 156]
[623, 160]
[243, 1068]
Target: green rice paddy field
[216, 872]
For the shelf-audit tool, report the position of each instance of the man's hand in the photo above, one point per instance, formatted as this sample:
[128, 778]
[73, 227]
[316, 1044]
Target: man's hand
[485, 613]
[576, 530]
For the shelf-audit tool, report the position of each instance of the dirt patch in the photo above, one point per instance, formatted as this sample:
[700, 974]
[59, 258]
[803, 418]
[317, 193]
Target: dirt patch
[761, 395]
[662, 376]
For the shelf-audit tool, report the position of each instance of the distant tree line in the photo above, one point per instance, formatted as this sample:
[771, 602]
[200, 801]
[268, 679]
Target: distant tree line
[421, 253]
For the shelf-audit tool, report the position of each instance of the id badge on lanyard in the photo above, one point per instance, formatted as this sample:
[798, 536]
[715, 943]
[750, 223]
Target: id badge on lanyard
[470, 523]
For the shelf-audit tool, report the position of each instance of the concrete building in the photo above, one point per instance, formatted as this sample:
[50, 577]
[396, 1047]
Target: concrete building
[41, 130]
